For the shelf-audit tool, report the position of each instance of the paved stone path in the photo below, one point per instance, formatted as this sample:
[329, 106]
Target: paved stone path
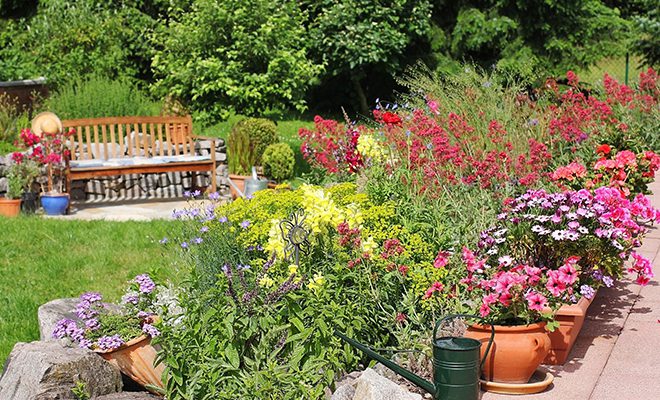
[127, 211]
[617, 355]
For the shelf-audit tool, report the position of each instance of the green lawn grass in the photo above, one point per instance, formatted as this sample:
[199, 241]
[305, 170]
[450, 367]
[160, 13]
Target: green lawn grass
[45, 259]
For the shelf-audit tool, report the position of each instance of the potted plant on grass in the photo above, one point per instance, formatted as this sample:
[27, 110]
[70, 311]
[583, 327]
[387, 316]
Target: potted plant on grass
[10, 205]
[278, 161]
[46, 145]
[549, 250]
[122, 336]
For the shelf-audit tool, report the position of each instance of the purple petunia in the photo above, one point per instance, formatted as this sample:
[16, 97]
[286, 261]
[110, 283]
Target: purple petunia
[110, 342]
[146, 284]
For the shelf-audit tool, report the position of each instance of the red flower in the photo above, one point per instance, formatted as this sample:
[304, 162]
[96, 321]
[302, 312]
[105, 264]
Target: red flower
[604, 149]
[391, 118]
[17, 157]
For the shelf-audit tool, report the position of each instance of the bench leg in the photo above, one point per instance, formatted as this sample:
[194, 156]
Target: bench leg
[214, 186]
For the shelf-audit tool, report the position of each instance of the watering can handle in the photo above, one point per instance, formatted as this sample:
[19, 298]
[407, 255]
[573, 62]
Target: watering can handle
[448, 317]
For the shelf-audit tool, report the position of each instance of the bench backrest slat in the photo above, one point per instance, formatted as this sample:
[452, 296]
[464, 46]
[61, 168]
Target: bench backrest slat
[117, 137]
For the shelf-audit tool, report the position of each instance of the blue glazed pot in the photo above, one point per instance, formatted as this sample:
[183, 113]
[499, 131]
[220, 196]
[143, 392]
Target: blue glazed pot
[55, 205]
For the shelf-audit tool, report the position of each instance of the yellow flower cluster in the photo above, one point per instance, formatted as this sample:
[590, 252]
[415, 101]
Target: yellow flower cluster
[316, 282]
[370, 148]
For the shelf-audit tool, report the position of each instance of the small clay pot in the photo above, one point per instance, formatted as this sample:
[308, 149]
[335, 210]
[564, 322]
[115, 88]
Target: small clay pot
[516, 352]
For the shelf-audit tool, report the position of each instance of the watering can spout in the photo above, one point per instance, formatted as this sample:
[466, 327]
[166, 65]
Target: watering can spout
[412, 377]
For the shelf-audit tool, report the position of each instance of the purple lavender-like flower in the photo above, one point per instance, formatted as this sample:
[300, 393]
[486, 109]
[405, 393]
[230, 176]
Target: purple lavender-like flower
[608, 281]
[143, 314]
[187, 193]
[587, 291]
[597, 275]
[184, 245]
[91, 297]
[78, 334]
[204, 229]
[84, 311]
[241, 267]
[177, 214]
[85, 344]
[150, 330]
[196, 193]
[146, 284]
[214, 196]
[130, 298]
[245, 224]
[163, 240]
[92, 324]
[110, 342]
[61, 328]
[198, 240]
[222, 219]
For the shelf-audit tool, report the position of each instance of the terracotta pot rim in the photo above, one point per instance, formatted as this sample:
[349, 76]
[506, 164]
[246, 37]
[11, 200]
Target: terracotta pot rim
[125, 345]
[10, 201]
[510, 328]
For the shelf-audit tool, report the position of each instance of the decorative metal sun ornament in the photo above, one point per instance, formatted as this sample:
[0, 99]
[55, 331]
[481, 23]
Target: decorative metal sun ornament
[295, 235]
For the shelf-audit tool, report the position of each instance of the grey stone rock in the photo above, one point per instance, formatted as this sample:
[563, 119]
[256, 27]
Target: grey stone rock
[48, 371]
[128, 396]
[373, 386]
[220, 157]
[219, 143]
[3, 185]
[203, 145]
[346, 392]
[52, 312]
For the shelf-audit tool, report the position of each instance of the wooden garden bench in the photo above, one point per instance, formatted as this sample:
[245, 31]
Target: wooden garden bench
[111, 146]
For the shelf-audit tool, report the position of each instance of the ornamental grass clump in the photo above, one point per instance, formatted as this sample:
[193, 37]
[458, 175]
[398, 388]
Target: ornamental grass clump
[550, 249]
[101, 327]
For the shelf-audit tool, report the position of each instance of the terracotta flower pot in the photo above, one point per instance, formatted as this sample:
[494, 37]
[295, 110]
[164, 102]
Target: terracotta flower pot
[570, 318]
[239, 181]
[10, 207]
[516, 353]
[136, 359]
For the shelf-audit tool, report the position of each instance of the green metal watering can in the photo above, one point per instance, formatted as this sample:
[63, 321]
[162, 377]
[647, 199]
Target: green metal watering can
[456, 364]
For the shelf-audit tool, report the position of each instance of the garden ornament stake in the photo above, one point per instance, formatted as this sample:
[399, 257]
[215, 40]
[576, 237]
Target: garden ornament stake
[456, 364]
[295, 235]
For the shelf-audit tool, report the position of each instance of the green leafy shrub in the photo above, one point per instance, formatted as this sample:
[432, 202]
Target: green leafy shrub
[250, 57]
[12, 120]
[278, 161]
[262, 133]
[97, 96]
[268, 323]
[70, 40]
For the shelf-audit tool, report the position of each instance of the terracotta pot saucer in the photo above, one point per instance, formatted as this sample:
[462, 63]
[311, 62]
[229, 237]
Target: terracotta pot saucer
[539, 382]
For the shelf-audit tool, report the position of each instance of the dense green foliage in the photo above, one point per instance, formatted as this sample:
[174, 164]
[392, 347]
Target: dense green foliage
[278, 161]
[224, 56]
[65, 41]
[97, 96]
[259, 57]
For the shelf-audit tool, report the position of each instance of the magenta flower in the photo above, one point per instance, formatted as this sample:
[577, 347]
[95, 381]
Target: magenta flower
[536, 301]
[554, 284]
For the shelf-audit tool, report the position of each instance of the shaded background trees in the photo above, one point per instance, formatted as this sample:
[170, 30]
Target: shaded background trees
[260, 57]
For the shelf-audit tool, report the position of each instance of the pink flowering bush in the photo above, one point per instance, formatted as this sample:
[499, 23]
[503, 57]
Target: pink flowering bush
[549, 249]
[100, 328]
[629, 172]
